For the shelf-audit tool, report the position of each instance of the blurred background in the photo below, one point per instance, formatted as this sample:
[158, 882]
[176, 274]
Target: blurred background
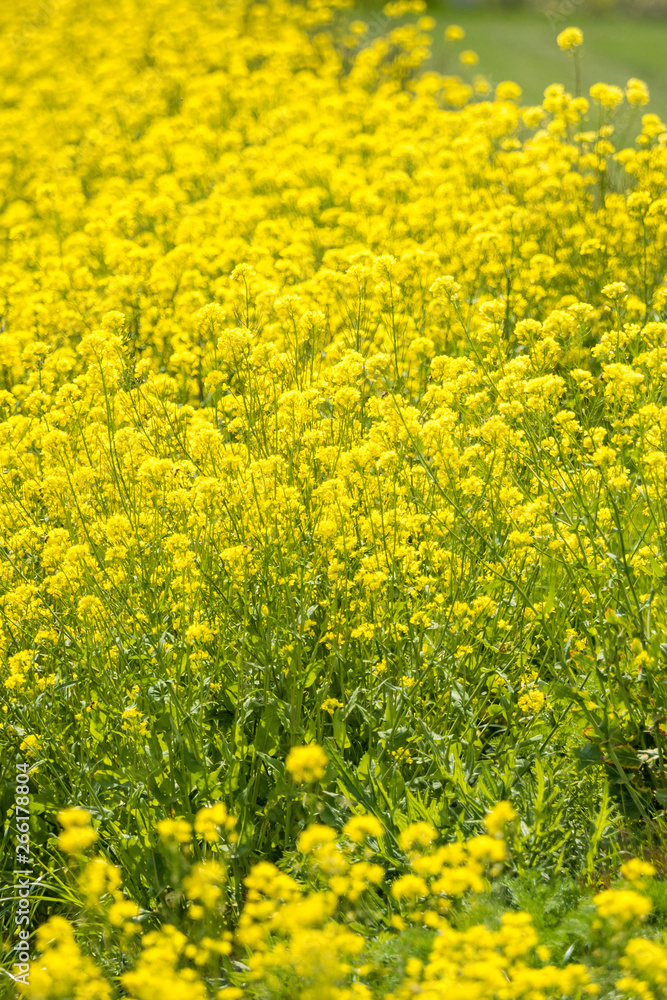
[516, 40]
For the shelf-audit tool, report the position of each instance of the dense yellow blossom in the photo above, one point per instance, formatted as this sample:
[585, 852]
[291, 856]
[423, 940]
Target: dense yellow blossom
[622, 905]
[333, 417]
[300, 940]
[262, 328]
[570, 38]
[306, 764]
[636, 869]
[77, 834]
[63, 971]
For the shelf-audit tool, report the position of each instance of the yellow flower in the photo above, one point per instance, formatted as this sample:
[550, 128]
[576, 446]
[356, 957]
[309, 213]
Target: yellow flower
[508, 91]
[485, 848]
[97, 879]
[122, 911]
[622, 905]
[468, 57]
[636, 92]
[177, 830]
[496, 820]
[616, 291]
[358, 828]
[76, 839]
[203, 883]
[608, 95]
[31, 743]
[570, 38]
[409, 887]
[330, 705]
[315, 836]
[307, 764]
[210, 821]
[134, 721]
[532, 703]
[454, 33]
[636, 869]
[62, 970]
[74, 817]
[420, 835]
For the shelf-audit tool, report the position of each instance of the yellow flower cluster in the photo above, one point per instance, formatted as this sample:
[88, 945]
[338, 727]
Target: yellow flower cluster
[300, 933]
[622, 905]
[63, 971]
[78, 834]
[484, 963]
[327, 382]
[255, 329]
[231, 314]
[306, 764]
[570, 38]
[532, 702]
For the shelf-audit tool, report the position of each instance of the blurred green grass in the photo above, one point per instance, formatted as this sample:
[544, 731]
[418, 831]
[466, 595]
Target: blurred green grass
[521, 46]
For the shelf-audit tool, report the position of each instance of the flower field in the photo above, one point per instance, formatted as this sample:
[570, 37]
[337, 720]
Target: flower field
[333, 512]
